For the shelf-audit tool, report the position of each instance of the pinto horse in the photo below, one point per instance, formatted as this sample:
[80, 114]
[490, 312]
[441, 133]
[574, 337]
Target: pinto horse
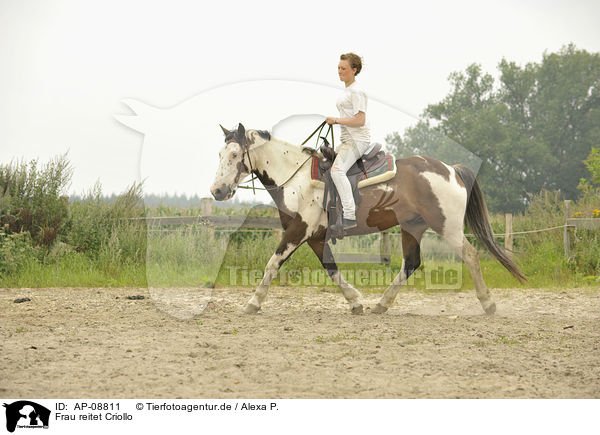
[424, 193]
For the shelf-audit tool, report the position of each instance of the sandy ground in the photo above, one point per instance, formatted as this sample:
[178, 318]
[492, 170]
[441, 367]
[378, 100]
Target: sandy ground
[95, 343]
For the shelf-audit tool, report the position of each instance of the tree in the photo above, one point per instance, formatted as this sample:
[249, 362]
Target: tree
[566, 113]
[531, 133]
[423, 139]
[592, 164]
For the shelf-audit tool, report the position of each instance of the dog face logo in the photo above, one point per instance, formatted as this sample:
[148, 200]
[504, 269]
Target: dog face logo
[24, 413]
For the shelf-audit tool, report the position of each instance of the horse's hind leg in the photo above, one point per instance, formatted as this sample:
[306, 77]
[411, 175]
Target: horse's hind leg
[324, 254]
[411, 253]
[471, 258]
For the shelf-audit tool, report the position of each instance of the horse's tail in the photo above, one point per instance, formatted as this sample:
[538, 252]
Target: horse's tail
[476, 217]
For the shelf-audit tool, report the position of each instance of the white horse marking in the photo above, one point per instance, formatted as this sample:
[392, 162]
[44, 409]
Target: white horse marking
[453, 201]
[350, 293]
[471, 258]
[270, 273]
[385, 188]
[387, 299]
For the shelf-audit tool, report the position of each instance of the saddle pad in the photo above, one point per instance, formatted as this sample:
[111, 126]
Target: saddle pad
[376, 175]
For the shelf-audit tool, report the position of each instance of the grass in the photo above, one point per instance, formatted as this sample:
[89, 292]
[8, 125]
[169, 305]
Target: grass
[183, 263]
[45, 242]
[75, 270]
[198, 257]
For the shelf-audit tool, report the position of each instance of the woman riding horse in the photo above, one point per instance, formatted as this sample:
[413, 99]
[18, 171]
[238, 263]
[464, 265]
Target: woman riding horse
[424, 193]
[355, 137]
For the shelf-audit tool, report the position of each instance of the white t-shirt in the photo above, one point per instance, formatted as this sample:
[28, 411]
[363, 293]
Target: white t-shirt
[352, 101]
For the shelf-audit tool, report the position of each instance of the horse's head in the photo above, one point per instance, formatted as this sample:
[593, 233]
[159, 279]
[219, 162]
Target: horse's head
[234, 165]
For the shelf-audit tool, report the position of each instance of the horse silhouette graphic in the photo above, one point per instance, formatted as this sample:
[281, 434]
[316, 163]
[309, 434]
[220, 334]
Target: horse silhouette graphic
[26, 413]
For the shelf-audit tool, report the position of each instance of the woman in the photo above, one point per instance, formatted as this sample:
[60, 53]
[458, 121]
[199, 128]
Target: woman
[355, 133]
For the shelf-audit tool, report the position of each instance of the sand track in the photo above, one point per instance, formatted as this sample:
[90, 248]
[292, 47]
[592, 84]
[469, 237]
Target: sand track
[93, 342]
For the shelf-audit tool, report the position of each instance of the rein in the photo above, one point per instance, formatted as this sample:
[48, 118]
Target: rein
[254, 177]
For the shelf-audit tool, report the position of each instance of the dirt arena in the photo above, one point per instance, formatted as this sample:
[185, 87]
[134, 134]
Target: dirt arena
[96, 343]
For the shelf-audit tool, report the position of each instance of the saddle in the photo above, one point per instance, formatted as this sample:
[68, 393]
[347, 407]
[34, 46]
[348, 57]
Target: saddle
[372, 168]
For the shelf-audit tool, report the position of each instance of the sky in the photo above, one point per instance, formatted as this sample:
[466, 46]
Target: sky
[69, 70]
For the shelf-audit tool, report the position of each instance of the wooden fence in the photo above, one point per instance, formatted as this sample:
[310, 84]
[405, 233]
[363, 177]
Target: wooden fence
[226, 223]
[219, 223]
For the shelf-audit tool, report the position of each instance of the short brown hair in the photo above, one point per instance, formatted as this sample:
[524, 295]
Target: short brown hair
[354, 59]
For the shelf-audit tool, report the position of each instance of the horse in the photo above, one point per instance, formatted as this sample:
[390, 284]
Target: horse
[424, 193]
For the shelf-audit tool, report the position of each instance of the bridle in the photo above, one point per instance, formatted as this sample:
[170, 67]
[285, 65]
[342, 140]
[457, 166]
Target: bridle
[246, 151]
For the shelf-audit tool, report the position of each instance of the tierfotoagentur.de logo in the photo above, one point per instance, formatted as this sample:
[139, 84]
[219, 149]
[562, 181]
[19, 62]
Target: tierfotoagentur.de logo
[25, 414]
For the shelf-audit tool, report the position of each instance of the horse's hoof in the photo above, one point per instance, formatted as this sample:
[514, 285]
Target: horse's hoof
[491, 309]
[357, 309]
[379, 309]
[251, 309]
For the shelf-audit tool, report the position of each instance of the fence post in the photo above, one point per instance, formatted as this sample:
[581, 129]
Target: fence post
[508, 237]
[566, 235]
[385, 247]
[206, 209]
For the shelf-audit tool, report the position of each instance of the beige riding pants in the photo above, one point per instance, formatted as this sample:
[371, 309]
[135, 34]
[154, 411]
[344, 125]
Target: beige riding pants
[348, 154]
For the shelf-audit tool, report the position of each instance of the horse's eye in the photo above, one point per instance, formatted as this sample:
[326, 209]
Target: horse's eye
[234, 155]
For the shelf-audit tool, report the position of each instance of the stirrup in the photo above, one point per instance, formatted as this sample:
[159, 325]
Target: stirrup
[347, 224]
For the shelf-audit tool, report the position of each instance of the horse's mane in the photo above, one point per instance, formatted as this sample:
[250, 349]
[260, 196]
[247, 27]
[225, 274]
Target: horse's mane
[301, 148]
[264, 134]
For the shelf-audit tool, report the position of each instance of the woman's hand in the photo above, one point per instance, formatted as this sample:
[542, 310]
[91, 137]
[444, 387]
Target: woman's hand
[331, 120]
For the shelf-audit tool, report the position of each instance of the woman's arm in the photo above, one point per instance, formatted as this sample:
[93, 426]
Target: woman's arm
[357, 121]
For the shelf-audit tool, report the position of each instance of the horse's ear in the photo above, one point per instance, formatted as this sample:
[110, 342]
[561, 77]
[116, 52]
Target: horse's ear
[225, 131]
[241, 136]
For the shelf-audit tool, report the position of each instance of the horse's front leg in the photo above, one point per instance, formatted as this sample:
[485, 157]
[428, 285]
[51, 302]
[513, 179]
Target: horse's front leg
[284, 250]
[325, 255]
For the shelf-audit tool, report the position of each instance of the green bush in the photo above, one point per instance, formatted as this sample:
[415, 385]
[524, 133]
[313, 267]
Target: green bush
[108, 229]
[543, 252]
[586, 253]
[17, 250]
[586, 249]
[592, 163]
[32, 200]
